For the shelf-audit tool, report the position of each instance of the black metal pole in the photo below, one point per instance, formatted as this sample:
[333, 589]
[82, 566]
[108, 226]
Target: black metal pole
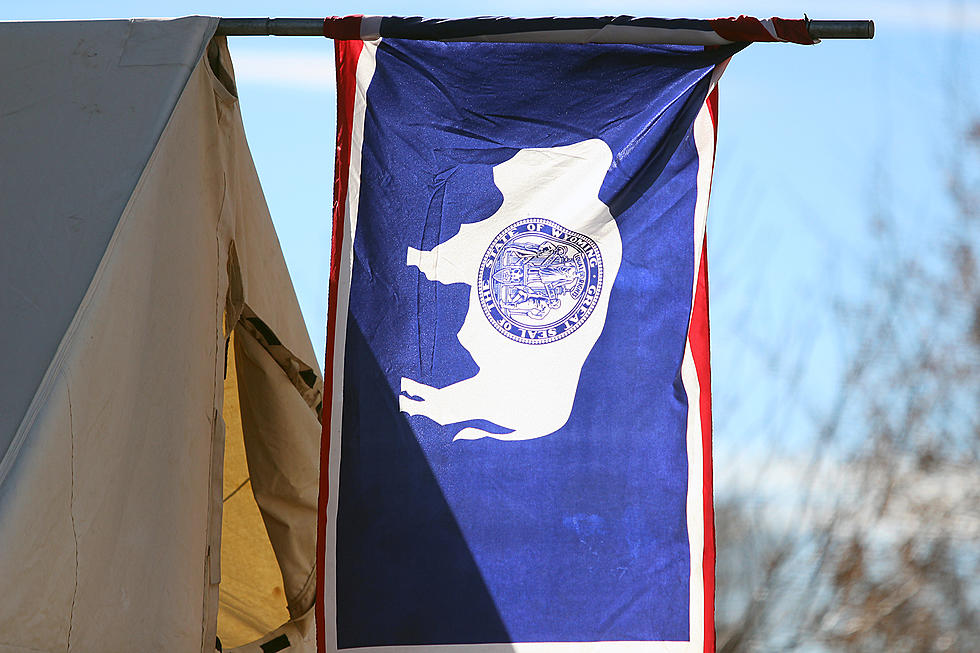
[842, 29]
[270, 27]
[820, 29]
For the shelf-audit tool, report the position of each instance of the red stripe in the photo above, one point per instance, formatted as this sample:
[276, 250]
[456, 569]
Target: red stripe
[342, 28]
[712, 102]
[347, 53]
[747, 29]
[701, 352]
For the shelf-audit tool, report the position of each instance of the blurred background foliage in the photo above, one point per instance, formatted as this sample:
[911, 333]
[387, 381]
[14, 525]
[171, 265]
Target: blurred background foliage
[863, 533]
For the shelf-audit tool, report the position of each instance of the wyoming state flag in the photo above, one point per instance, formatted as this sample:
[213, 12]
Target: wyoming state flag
[516, 456]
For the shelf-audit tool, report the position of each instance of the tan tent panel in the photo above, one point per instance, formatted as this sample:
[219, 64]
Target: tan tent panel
[135, 250]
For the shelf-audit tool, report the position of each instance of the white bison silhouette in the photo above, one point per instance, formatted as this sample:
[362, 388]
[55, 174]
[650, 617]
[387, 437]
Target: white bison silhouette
[527, 388]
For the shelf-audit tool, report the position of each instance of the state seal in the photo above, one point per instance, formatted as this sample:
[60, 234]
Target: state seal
[539, 282]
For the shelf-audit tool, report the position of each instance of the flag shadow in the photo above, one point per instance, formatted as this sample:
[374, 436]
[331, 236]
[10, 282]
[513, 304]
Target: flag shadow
[405, 574]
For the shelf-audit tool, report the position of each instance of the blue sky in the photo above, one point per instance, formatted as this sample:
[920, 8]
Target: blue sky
[812, 140]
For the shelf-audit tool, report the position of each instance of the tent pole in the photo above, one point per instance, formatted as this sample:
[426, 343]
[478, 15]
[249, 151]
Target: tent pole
[270, 27]
[819, 29]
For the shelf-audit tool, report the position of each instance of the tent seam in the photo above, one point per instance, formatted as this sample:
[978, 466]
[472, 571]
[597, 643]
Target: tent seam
[71, 514]
[302, 593]
[214, 556]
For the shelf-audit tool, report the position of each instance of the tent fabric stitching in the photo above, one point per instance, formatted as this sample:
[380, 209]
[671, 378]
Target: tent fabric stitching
[71, 512]
[212, 561]
[301, 603]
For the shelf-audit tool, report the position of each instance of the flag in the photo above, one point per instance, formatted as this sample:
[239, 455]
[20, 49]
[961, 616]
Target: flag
[517, 451]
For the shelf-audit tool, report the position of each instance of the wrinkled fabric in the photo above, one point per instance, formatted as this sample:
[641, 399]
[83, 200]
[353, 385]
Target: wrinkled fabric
[517, 452]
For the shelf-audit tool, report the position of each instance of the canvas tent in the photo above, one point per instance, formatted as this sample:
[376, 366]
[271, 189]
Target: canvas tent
[154, 492]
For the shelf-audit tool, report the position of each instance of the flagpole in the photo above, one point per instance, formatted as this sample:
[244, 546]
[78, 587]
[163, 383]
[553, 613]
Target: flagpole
[270, 27]
[842, 29]
[819, 29]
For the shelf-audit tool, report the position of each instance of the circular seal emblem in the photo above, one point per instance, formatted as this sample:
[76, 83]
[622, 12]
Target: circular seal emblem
[539, 281]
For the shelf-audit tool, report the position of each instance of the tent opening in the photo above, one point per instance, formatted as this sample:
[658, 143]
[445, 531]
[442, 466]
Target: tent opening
[252, 601]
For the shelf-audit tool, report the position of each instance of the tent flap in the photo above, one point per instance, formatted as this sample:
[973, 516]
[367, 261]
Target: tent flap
[283, 469]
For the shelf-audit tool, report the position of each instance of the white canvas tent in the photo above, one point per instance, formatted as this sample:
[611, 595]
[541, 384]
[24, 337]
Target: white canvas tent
[154, 492]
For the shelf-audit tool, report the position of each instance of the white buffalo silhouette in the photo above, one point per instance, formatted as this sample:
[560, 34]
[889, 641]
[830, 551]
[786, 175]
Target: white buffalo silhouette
[527, 388]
